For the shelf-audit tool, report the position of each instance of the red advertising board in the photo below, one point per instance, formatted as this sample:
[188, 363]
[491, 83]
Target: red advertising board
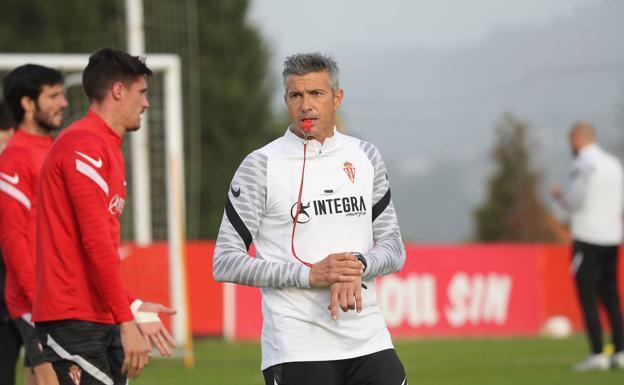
[456, 290]
[463, 290]
[146, 273]
[444, 291]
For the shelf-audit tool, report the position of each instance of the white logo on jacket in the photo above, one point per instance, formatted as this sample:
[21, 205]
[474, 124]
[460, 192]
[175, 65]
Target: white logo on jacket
[97, 163]
[11, 179]
[116, 205]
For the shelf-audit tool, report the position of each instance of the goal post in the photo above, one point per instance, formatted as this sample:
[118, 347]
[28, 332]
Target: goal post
[170, 67]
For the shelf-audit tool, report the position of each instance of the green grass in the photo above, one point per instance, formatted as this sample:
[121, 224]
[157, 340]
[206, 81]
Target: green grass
[521, 361]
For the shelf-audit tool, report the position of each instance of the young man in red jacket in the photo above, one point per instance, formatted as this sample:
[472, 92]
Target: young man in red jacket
[34, 94]
[81, 305]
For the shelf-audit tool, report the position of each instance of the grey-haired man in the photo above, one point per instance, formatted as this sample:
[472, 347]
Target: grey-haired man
[316, 204]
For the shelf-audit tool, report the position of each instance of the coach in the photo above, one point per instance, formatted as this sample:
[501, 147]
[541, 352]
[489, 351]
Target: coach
[595, 203]
[316, 204]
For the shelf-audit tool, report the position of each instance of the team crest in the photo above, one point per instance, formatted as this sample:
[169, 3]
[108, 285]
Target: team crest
[75, 373]
[349, 170]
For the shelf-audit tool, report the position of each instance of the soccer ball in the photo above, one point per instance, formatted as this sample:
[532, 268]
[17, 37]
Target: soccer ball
[557, 327]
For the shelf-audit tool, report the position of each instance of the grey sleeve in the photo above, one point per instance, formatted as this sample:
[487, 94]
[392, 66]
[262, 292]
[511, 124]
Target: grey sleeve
[244, 210]
[388, 253]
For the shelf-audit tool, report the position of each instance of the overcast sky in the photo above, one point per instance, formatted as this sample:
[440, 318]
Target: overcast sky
[427, 82]
[292, 25]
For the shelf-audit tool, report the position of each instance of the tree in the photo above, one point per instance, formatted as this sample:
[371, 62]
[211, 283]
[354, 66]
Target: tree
[70, 26]
[236, 97]
[227, 95]
[513, 210]
[227, 91]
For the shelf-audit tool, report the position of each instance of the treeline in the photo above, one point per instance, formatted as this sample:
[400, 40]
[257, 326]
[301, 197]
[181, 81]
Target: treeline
[227, 91]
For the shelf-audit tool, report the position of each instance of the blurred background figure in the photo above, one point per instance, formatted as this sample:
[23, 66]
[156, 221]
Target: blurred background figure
[594, 203]
[34, 96]
[9, 335]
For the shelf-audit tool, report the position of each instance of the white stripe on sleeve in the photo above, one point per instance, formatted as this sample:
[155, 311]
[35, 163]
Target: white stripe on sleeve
[89, 171]
[13, 192]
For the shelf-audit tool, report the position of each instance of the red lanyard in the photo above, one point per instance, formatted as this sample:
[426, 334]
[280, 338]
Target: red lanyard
[307, 124]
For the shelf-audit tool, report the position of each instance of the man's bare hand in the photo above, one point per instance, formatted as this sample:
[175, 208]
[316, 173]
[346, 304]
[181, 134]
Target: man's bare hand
[154, 330]
[346, 295]
[340, 267]
[136, 349]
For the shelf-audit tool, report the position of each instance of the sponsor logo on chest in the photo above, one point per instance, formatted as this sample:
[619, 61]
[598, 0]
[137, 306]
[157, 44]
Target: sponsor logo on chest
[116, 205]
[350, 206]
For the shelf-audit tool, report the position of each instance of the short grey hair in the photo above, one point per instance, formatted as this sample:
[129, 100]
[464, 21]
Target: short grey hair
[304, 63]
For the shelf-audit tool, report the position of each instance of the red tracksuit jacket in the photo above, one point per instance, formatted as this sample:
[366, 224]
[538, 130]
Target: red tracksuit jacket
[20, 164]
[82, 194]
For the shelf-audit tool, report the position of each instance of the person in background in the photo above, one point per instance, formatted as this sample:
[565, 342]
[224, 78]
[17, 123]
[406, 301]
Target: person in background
[594, 201]
[34, 95]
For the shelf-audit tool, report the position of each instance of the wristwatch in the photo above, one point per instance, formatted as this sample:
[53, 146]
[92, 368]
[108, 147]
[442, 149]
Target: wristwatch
[361, 258]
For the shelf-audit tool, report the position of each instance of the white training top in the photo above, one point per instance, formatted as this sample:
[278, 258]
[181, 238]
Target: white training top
[346, 207]
[596, 197]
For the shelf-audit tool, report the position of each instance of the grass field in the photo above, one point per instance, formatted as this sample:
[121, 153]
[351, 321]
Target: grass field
[440, 362]
[519, 361]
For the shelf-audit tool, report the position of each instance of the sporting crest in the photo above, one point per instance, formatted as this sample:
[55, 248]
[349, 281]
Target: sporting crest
[349, 170]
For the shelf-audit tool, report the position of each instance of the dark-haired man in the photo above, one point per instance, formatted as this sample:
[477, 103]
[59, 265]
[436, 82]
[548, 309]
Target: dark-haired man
[34, 95]
[81, 305]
